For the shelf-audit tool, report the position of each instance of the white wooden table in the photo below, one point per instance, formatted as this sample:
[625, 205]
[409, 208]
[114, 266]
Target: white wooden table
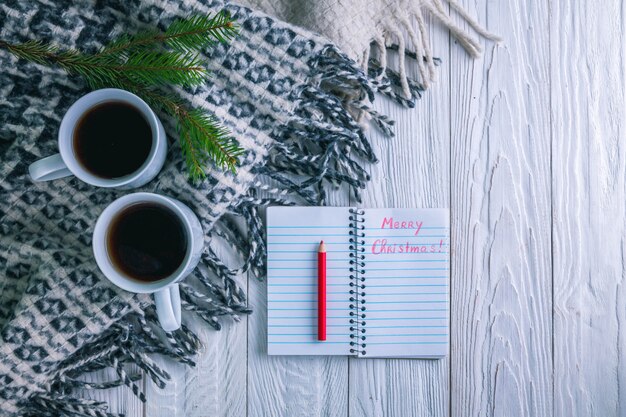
[526, 146]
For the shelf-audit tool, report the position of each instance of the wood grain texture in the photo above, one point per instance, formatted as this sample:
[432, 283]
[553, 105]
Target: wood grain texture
[216, 386]
[501, 296]
[526, 147]
[588, 163]
[413, 172]
[169, 401]
[118, 399]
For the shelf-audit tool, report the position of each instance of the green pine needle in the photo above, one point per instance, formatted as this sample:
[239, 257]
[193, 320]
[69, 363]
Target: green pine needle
[125, 43]
[183, 35]
[194, 126]
[145, 62]
[35, 51]
[163, 68]
[189, 34]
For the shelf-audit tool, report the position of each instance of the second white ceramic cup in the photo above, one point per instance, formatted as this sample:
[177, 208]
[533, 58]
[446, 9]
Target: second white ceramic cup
[166, 292]
[65, 162]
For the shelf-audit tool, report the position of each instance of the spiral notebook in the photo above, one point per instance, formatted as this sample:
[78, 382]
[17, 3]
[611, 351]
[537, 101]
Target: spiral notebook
[387, 281]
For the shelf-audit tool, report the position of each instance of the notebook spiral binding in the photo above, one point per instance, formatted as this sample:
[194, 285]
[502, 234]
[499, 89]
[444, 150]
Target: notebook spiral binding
[358, 311]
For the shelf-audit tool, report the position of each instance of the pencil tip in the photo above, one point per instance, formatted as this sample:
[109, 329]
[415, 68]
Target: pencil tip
[322, 246]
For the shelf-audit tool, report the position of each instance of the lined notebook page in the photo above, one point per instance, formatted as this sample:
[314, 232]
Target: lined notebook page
[293, 237]
[406, 276]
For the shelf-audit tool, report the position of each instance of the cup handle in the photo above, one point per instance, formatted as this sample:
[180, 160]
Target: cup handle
[49, 168]
[168, 307]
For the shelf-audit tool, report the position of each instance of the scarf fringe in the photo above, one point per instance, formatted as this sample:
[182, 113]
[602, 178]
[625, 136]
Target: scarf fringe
[324, 143]
[397, 34]
[126, 342]
[130, 341]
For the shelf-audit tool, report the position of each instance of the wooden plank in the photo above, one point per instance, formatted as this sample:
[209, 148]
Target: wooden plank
[233, 370]
[217, 385]
[169, 401]
[501, 269]
[413, 172]
[292, 385]
[588, 183]
[119, 399]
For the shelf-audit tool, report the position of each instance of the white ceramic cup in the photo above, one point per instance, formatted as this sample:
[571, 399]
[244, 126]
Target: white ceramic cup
[166, 292]
[65, 163]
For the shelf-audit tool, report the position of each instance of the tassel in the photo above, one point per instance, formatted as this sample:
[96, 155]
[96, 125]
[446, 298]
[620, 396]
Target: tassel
[396, 35]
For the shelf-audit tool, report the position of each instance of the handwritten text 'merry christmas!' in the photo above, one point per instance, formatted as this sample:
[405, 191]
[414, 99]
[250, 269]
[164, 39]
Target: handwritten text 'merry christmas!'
[381, 246]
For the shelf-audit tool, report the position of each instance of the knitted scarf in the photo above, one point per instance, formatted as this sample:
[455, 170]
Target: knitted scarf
[396, 29]
[291, 98]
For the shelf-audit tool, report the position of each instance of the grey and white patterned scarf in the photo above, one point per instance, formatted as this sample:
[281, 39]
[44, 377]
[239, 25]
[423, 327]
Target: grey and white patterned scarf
[288, 96]
[397, 30]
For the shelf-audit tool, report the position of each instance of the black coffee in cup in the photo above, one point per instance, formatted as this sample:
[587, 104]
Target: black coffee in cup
[112, 139]
[147, 241]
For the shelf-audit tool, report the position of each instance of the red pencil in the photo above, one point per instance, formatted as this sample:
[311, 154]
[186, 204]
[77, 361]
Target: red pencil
[321, 292]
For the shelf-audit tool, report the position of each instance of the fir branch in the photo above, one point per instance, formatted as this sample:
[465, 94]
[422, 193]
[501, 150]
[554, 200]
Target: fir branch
[162, 68]
[149, 68]
[195, 126]
[188, 34]
[141, 64]
[35, 51]
[125, 43]
[183, 35]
